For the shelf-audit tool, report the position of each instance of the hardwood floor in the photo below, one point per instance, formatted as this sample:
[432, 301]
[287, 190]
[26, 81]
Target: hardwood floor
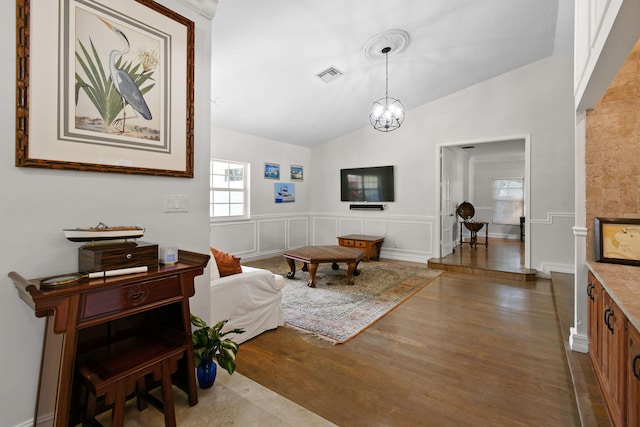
[466, 350]
[591, 407]
[502, 258]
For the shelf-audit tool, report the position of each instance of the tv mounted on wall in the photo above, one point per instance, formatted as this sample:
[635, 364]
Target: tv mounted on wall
[372, 184]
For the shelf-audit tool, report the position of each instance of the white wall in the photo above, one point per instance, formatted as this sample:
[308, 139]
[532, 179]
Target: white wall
[535, 100]
[272, 227]
[484, 170]
[38, 203]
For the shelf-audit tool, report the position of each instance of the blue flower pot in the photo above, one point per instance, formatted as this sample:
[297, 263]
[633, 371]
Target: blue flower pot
[207, 373]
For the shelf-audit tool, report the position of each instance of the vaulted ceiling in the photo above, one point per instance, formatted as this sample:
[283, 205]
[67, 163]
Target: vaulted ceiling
[267, 55]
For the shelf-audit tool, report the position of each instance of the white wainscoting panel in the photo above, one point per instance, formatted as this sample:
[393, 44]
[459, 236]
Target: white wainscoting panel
[272, 235]
[297, 232]
[234, 237]
[324, 230]
[556, 227]
[262, 236]
[407, 238]
[348, 226]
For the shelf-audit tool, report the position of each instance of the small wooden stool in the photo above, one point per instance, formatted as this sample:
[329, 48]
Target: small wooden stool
[119, 373]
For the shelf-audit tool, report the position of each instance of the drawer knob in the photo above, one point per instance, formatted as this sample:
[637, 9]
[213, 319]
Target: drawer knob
[129, 256]
[137, 294]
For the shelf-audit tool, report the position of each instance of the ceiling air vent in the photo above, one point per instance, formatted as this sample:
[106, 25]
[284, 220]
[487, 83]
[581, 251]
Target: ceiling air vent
[329, 74]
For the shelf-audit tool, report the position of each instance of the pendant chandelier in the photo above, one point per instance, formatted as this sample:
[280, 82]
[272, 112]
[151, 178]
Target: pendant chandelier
[386, 114]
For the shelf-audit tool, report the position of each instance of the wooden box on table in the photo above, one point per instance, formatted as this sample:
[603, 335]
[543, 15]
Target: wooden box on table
[113, 256]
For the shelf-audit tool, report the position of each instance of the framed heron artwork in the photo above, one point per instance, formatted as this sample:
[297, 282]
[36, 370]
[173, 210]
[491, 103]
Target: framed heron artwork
[104, 86]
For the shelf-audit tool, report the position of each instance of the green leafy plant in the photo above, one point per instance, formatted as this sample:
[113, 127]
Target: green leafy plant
[209, 343]
[98, 86]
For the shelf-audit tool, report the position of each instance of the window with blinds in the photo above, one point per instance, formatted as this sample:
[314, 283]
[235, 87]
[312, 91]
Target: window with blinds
[508, 200]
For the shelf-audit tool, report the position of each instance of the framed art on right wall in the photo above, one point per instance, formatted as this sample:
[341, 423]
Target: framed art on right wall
[618, 240]
[297, 173]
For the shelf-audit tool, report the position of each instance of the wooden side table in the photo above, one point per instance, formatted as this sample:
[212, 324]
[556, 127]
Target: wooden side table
[369, 244]
[97, 315]
[473, 228]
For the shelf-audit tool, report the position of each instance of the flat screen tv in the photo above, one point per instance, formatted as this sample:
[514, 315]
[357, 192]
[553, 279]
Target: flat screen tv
[372, 184]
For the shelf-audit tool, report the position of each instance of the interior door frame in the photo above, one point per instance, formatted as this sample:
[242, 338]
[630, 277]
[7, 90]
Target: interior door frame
[527, 187]
[451, 160]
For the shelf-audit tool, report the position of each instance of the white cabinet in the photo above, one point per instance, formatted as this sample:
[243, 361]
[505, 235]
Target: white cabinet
[593, 21]
[604, 34]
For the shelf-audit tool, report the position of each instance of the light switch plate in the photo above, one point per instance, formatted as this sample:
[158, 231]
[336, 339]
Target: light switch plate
[176, 203]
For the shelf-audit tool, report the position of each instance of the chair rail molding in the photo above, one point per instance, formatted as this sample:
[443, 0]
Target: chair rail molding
[551, 216]
[579, 231]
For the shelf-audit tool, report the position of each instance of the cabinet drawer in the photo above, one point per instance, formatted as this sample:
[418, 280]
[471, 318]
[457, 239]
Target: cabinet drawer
[361, 244]
[115, 256]
[125, 298]
[347, 243]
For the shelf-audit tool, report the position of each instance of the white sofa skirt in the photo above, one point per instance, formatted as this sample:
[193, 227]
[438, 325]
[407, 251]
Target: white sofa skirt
[250, 300]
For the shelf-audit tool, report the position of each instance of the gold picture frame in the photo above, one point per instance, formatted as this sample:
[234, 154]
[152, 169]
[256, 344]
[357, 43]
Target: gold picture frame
[617, 240]
[70, 114]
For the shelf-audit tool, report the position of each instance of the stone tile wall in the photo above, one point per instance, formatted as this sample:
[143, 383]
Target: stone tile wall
[612, 152]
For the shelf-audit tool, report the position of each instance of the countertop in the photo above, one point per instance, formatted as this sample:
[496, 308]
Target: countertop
[622, 283]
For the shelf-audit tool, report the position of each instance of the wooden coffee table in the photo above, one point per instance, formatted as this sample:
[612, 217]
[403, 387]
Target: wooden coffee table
[312, 256]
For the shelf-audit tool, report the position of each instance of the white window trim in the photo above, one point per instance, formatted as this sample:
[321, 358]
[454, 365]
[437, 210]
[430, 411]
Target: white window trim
[246, 191]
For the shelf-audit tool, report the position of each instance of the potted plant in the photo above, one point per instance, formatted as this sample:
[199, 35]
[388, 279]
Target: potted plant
[209, 343]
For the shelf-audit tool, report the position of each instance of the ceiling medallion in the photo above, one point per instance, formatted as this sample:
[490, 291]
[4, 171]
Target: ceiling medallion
[386, 114]
[396, 40]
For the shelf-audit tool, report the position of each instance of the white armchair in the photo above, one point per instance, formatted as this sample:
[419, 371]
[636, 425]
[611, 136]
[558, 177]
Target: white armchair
[251, 300]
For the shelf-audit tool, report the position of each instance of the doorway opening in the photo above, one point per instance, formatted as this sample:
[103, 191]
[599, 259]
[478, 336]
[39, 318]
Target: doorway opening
[466, 171]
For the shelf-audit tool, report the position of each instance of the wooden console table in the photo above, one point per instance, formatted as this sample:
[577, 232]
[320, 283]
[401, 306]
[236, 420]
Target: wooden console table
[369, 244]
[98, 315]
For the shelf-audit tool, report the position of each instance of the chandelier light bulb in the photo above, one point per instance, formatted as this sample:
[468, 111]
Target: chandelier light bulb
[377, 110]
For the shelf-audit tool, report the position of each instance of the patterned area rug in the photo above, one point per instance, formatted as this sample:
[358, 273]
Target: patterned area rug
[338, 312]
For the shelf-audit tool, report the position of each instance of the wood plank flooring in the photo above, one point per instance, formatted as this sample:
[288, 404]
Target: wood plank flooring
[503, 258]
[591, 407]
[466, 350]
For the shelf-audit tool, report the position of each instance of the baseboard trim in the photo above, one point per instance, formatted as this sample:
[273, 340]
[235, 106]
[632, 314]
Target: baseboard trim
[547, 267]
[404, 255]
[41, 422]
[578, 342]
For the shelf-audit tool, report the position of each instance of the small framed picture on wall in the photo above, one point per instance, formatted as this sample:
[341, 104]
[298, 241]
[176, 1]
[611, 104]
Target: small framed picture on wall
[296, 173]
[272, 171]
[285, 192]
